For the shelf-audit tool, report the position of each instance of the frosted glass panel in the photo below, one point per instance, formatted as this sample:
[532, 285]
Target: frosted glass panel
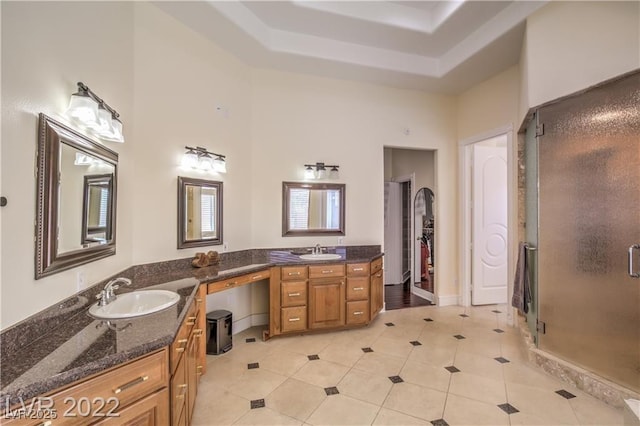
[531, 220]
[589, 215]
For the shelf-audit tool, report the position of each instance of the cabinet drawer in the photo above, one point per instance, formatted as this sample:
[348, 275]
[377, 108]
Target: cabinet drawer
[294, 319]
[358, 288]
[376, 265]
[357, 269]
[238, 281]
[294, 273]
[358, 312]
[294, 293]
[326, 271]
[152, 410]
[179, 345]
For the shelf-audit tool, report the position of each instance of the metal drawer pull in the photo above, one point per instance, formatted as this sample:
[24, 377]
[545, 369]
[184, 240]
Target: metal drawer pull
[379, 275]
[198, 299]
[181, 349]
[191, 320]
[294, 319]
[47, 423]
[632, 272]
[358, 313]
[256, 277]
[199, 369]
[294, 273]
[131, 384]
[294, 294]
[184, 392]
[327, 272]
[197, 332]
[358, 269]
[231, 283]
[358, 288]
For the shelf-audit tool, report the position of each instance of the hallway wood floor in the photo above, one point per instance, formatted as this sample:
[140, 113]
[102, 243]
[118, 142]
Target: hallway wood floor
[399, 296]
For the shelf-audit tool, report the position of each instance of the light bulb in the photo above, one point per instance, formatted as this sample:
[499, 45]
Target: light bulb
[190, 159]
[83, 108]
[309, 173]
[206, 162]
[219, 165]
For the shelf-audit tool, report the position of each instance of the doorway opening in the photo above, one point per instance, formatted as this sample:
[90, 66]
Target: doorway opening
[408, 173]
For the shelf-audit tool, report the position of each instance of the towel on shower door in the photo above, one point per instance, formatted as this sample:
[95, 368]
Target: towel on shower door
[521, 290]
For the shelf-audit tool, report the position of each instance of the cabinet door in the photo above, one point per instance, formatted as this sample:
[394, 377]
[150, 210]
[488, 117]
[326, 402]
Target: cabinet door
[358, 288]
[199, 331]
[377, 293]
[150, 411]
[192, 375]
[179, 392]
[326, 303]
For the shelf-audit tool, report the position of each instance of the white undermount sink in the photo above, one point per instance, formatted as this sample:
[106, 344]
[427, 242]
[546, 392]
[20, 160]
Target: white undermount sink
[136, 303]
[321, 256]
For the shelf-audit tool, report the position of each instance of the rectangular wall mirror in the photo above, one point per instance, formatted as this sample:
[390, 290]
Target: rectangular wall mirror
[313, 209]
[199, 212]
[76, 199]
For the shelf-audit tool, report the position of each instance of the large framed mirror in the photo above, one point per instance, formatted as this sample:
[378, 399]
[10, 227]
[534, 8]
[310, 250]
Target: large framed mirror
[72, 171]
[199, 212]
[313, 209]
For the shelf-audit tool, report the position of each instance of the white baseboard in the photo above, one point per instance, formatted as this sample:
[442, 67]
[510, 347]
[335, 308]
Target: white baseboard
[451, 300]
[250, 321]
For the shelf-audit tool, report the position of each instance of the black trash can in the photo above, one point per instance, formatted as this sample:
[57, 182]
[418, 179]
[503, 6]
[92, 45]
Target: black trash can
[219, 336]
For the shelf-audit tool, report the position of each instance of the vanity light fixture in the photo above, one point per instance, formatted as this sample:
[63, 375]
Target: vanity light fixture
[319, 171]
[95, 114]
[200, 158]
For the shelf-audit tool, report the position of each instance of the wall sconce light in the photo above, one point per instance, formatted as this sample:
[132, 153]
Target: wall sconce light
[95, 114]
[319, 171]
[201, 159]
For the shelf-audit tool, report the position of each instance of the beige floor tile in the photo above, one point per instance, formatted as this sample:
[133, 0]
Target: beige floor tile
[365, 387]
[478, 387]
[296, 399]
[394, 418]
[224, 371]
[590, 411]
[266, 416]
[528, 419]
[380, 364]
[481, 365]
[341, 353]
[343, 410]
[465, 411]
[218, 408]
[541, 402]
[248, 352]
[321, 373]
[525, 374]
[398, 347]
[306, 345]
[256, 384]
[426, 375]
[480, 346]
[403, 332]
[283, 362]
[417, 401]
[438, 356]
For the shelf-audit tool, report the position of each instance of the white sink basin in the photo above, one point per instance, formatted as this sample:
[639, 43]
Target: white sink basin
[322, 256]
[136, 303]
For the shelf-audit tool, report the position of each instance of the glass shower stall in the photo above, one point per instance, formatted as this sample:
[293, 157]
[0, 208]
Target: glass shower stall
[583, 156]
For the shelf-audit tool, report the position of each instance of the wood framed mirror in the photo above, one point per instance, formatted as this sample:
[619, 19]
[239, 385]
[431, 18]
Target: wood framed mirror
[199, 212]
[67, 161]
[313, 209]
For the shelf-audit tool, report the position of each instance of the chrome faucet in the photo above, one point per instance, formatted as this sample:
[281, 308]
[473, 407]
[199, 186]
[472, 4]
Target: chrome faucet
[107, 295]
[317, 249]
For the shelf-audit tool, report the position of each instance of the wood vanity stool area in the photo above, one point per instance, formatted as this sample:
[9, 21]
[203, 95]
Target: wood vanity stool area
[324, 297]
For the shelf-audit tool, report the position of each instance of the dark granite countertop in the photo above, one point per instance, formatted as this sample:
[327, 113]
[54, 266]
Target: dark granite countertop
[63, 343]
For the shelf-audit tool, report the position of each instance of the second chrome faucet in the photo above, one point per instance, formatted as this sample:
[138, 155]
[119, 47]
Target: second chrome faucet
[107, 295]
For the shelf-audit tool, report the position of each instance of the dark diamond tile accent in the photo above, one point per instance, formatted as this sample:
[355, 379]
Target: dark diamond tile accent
[495, 311]
[389, 324]
[396, 379]
[313, 357]
[429, 320]
[464, 315]
[452, 369]
[253, 365]
[257, 403]
[366, 350]
[508, 408]
[416, 343]
[250, 340]
[565, 394]
[331, 391]
[439, 422]
[498, 330]
[459, 336]
[502, 360]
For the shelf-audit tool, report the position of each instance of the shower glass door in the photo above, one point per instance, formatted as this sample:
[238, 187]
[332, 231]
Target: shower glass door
[531, 220]
[589, 216]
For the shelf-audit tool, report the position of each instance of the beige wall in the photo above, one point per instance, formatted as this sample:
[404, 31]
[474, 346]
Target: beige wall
[40, 67]
[573, 45]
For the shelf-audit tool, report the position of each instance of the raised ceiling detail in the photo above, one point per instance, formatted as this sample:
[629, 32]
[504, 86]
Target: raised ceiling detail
[440, 46]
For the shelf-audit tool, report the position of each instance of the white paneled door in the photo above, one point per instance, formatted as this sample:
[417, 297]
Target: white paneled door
[489, 222]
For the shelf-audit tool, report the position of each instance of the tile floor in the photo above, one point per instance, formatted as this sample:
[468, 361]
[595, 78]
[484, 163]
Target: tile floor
[423, 365]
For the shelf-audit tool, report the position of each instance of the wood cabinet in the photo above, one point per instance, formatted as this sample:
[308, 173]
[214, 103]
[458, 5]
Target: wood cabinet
[326, 296]
[152, 410]
[188, 360]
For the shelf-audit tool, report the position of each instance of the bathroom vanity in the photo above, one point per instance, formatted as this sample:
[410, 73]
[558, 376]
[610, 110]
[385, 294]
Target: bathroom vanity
[66, 364]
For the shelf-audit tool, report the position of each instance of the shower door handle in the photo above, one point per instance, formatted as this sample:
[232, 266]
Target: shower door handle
[632, 273]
